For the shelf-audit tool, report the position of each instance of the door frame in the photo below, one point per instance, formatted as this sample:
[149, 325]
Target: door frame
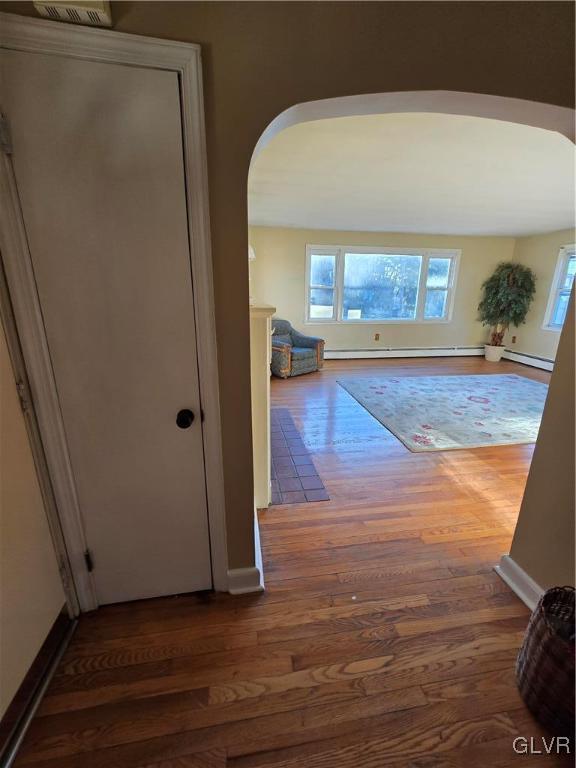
[56, 38]
[22, 385]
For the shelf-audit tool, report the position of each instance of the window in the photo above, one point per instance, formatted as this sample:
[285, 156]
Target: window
[379, 286]
[322, 285]
[437, 284]
[353, 284]
[561, 288]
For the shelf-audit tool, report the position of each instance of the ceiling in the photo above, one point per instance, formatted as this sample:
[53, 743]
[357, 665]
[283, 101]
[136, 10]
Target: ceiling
[428, 173]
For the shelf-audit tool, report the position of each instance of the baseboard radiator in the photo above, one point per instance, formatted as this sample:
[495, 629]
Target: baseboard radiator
[19, 715]
[464, 351]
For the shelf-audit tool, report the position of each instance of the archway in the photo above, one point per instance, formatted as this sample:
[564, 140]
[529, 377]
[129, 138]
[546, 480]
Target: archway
[543, 116]
[535, 114]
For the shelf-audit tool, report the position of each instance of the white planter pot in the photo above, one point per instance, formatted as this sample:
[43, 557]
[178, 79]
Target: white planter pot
[493, 354]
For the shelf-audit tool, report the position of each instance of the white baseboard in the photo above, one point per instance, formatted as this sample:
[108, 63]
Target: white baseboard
[536, 362]
[258, 549]
[519, 581]
[390, 352]
[242, 581]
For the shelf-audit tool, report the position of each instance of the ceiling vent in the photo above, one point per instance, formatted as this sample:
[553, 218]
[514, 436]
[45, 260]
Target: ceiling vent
[91, 12]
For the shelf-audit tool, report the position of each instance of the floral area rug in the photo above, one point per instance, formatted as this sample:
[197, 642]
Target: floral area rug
[439, 413]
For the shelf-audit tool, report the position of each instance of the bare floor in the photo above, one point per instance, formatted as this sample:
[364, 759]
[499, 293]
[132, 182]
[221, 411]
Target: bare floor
[384, 638]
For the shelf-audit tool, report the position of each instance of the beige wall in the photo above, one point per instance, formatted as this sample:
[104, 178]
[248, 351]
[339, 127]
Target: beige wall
[278, 277]
[31, 594]
[260, 58]
[540, 253]
[543, 542]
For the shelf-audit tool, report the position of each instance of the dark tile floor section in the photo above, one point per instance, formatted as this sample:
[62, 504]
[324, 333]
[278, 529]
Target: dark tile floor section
[294, 476]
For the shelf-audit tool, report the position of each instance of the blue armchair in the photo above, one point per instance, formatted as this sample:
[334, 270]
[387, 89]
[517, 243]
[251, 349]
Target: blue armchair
[292, 352]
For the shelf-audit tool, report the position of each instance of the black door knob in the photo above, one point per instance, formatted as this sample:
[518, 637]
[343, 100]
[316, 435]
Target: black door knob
[184, 418]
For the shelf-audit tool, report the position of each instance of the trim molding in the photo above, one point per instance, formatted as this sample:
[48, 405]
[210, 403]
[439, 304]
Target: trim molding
[242, 581]
[38, 453]
[258, 549]
[30, 327]
[519, 582]
[36, 35]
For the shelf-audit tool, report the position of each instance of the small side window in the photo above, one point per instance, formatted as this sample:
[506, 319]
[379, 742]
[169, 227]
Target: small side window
[561, 289]
[321, 304]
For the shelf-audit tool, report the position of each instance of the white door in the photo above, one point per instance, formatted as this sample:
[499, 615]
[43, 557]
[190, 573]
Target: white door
[97, 154]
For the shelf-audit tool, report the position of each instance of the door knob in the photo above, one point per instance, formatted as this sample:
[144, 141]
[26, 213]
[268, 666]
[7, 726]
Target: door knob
[184, 418]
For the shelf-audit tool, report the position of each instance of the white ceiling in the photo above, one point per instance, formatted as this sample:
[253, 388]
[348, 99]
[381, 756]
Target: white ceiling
[437, 174]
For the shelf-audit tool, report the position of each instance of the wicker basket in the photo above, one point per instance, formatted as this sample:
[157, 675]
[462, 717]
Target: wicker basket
[545, 665]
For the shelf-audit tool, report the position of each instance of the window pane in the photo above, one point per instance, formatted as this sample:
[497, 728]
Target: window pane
[438, 273]
[560, 309]
[570, 272]
[321, 303]
[435, 306]
[380, 286]
[322, 268]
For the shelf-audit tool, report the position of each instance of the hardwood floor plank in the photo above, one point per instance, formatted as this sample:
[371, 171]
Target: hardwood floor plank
[377, 741]
[424, 626]
[492, 754]
[127, 651]
[111, 688]
[417, 650]
[304, 678]
[436, 590]
[377, 613]
[53, 738]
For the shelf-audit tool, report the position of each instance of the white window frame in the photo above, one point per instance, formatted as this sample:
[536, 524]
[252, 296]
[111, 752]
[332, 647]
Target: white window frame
[338, 251]
[564, 255]
[325, 250]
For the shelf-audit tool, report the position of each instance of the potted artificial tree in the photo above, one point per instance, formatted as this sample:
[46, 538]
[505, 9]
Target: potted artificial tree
[506, 298]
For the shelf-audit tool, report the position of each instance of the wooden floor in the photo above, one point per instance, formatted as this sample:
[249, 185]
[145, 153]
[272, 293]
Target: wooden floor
[384, 637]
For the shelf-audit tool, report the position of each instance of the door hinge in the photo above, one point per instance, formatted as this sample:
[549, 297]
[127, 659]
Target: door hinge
[5, 137]
[88, 560]
[23, 396]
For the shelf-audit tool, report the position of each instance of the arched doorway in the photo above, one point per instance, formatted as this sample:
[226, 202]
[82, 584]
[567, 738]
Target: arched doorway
[541, 116]
[536, 114]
